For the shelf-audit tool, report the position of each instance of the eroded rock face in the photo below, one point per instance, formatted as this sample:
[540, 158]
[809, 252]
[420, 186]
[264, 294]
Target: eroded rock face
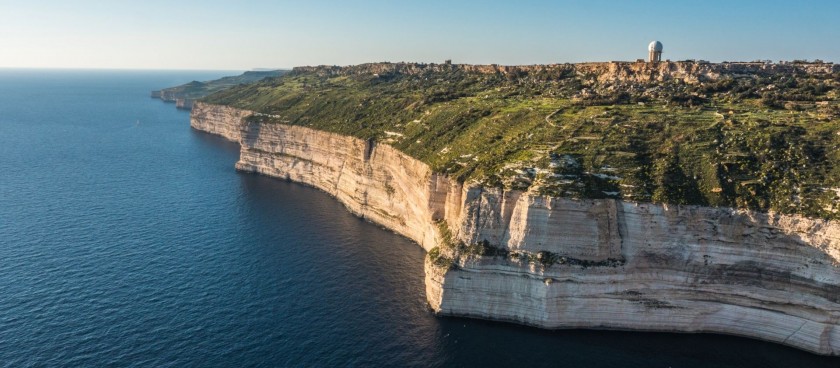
[220, 120]
[184, 103]
[677, 268]
[374, 181]
[618, 265]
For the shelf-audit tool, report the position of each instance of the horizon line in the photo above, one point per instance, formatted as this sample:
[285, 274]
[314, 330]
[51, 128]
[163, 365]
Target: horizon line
[69, 68]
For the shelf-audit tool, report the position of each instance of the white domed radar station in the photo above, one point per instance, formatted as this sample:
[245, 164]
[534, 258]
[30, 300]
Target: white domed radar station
[655, 52]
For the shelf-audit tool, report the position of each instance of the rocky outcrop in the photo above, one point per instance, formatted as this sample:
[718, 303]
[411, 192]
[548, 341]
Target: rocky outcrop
[692, 72]
[169, 96]
[184, 103]
[563, 263]
[220, 120]
[166, 95]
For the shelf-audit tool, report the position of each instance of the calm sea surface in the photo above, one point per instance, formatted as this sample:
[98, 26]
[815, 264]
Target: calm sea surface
[127, 239]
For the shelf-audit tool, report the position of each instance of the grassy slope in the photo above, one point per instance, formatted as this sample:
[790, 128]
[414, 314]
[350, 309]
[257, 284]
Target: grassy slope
[764, 143]
[196, 89]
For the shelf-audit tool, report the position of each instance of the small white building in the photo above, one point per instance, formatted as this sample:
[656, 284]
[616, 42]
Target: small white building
[655, 52]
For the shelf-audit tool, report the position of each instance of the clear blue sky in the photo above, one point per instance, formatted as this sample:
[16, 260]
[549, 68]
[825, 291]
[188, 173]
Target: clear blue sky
[237, 35]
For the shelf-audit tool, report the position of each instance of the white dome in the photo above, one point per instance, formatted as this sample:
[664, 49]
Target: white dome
[655, 46]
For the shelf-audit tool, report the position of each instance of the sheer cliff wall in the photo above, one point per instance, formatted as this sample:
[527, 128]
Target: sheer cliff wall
[614, 264]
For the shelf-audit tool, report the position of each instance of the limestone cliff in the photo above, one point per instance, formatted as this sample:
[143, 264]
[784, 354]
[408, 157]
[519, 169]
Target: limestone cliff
[623, 265]
[562, 263]
[220, 120]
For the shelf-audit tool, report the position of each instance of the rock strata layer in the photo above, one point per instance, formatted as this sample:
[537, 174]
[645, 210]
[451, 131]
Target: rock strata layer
[169, 96]
[563, 263]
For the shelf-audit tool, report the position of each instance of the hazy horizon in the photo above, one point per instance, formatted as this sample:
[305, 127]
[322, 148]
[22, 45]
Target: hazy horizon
[216, 35]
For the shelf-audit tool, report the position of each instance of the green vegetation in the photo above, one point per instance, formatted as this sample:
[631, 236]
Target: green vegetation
[440, 260]
[765, 141]
[195, 89]
[451, 250]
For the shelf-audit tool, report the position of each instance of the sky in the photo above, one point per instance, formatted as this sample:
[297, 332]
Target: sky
[243, 35]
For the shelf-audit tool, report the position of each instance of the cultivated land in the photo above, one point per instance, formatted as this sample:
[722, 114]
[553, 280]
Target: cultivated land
[758, 136]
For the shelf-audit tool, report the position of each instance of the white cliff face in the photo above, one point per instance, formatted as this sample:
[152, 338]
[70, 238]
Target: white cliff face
[620, 265]
[374, 181]
[220, 120]
[652, 267]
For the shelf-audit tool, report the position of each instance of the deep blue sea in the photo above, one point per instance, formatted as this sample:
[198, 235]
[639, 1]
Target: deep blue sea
[128, 240]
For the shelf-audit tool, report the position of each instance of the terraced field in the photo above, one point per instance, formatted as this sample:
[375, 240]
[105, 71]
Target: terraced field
[767, 138]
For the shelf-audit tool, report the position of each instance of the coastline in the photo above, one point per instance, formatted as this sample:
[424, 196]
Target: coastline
[677, 268]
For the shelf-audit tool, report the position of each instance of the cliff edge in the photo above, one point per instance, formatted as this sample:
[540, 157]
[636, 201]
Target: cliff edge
[525, 256]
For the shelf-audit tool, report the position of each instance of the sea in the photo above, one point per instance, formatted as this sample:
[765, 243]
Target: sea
[127, 239]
